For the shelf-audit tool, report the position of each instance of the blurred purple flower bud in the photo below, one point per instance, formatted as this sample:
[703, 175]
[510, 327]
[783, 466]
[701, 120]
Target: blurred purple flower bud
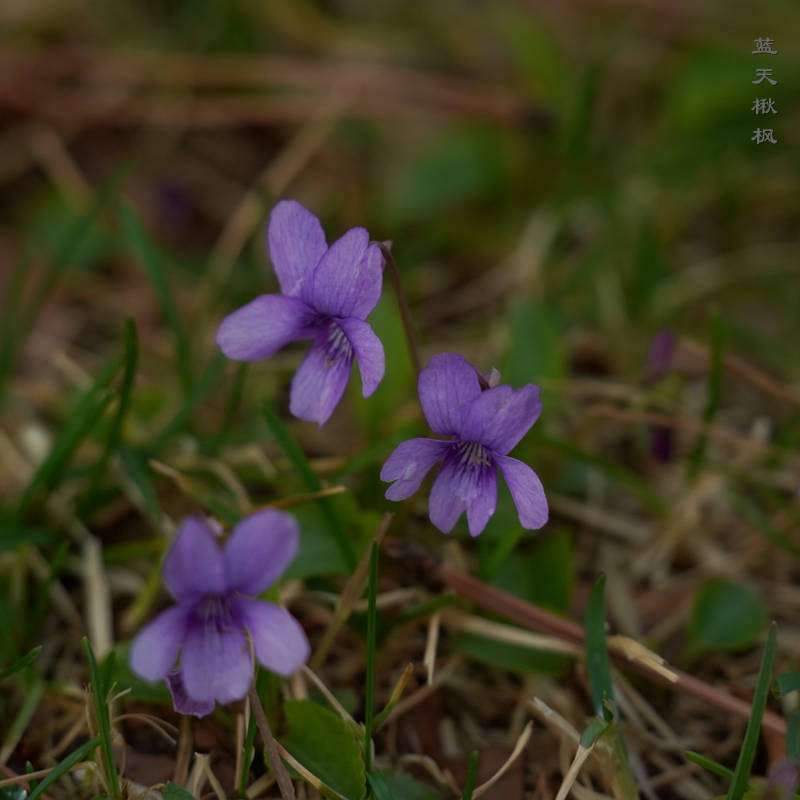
[660, 355]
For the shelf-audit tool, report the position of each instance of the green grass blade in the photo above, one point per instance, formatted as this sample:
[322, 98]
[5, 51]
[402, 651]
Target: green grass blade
[208, 381]
[372, 617]
[83, 419]
[247, 754]
[299, 461]
[709, 765]
[130, 360]
[21, 664]
[65, 766]
[100, 697]
[597, 661]
[147, 253]
[744, 764]
[472, 776]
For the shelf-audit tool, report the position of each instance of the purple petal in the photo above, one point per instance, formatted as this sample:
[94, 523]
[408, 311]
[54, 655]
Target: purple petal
[526, 490]
[216, 664]
[500, 417]
[156, 647]
[408, 465]
[194, 563]
[319, 383]
[459, 488]
[181, 701]
[279, 641]
[446, 388]
[296, 244]
[368, 352]
[347, 280]
[483, 505]
[263, 327]
[259, 550]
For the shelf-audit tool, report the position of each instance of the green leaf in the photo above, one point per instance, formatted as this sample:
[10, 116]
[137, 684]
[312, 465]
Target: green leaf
[597, 662]
[64, 766]
[145, 251]
[174, 792]
[326, 745]
[744, 764]
[388, 785]
[726, 616]
[21, 664]
[793, 736]
[372, 618]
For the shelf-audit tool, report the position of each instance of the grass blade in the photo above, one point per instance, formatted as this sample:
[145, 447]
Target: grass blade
[145, 251]
[597, 661]
[709, 765]
[130, 360]
[21, 664]
[100, 697]
[472, 776]
[83, 419]
[372, 616]
[295, 454]
[65, 766]
[744, 764]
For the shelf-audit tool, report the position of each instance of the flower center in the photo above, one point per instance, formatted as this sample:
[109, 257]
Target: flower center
[337, 345]
[214, 612]
[472, 454]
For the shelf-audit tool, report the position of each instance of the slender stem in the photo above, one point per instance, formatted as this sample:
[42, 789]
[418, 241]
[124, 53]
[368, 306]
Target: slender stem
[369, 700]
[281, 775]
[405, 314]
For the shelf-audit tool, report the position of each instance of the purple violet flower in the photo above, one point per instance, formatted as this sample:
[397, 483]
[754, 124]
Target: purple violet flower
[484, 424]
[216, 613]
[327, 294]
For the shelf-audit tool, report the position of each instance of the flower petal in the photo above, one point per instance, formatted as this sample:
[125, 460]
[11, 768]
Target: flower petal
[181, 701]
[500, 417]
[368, 350]
[408, 465]
[194, 563]
[279, 641]
[347, 281]
[296, 244]
[446, 388]
[259, 550]
[155, 649]
[526, 490]
[483, 505]
[216, 665]
[263, 327]
[319, 383]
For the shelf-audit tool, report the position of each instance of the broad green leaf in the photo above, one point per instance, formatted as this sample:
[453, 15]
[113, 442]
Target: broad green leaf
[726, 616]
[788, 682]
[327, 746]
[389, 785]
[13, 793]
